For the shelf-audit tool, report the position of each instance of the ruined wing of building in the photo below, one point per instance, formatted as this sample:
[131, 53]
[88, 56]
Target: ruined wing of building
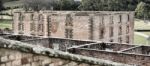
[14, 53]
[28, 50]
[107, 26]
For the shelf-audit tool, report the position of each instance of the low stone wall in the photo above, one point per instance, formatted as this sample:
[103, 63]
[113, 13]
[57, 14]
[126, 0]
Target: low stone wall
[139, 50]
[58, 43]
[18, 37]
[108, 46]
[41, 42]
[14, 53]
[128, 58]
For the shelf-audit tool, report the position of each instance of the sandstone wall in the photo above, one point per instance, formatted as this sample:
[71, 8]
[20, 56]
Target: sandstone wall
[16, 58]
[58, 43]
[85, 25]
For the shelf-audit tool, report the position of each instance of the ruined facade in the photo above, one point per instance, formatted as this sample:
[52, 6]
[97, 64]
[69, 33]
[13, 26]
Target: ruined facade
[87, 25]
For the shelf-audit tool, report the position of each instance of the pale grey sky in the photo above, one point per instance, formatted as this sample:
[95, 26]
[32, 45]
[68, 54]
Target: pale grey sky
[77, 0]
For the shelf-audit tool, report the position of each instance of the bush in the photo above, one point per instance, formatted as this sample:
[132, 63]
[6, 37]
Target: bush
[142, 11]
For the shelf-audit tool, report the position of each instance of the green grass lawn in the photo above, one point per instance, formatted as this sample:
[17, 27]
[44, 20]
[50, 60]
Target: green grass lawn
[139, 24]
[147, 33]
[5, 24]
[139, 40]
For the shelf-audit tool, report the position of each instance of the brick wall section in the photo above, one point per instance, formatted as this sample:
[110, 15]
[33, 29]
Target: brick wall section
[116, 26]
[14, 53]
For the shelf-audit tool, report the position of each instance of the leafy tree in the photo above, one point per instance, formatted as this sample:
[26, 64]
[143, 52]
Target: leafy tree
[69, 5]
[140, 10]
[92, 5]
[66, 4]
[37, 5]
[109, 5]
[143, 10]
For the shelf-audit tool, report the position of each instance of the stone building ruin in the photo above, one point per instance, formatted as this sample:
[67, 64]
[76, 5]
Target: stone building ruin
[53, 51]
[72, 38]
[28, 52]
[105, 26]
[14, 53]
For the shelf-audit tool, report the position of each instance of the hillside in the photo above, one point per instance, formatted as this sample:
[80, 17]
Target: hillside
[4, 1]
[12, 4]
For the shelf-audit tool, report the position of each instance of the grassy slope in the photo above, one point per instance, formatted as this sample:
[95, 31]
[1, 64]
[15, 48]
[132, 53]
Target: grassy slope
[4, 1]
[139, 40]
[12, 4]
[147, 33]
[5, 24]
[9, 3]
[139, 24]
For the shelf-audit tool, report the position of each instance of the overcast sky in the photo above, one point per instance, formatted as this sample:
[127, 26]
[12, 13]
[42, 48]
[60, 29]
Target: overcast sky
[77, 0]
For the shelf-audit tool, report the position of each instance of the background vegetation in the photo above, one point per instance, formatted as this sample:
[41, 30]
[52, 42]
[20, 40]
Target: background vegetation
[141, 8]
[38, 5]
[1, 6]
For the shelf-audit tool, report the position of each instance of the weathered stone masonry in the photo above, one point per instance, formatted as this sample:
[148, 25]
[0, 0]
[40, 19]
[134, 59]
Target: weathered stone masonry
[14, 53]
[123, 53]
[93, 25]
